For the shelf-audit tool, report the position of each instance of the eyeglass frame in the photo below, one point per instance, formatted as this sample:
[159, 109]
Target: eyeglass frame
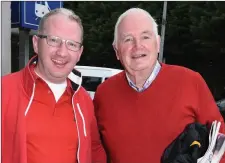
[62, 40]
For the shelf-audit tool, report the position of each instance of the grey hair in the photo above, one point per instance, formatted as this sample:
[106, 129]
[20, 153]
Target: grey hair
[132, 10]
[69, 13]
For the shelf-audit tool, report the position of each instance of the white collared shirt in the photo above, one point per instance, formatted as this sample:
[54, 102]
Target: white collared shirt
[57, 89]
[148, 81]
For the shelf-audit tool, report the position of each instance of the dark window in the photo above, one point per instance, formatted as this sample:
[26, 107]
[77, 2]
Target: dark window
[91, 83]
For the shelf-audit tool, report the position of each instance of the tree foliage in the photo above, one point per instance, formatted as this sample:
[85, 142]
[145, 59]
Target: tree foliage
[194, 34]
[99, 19]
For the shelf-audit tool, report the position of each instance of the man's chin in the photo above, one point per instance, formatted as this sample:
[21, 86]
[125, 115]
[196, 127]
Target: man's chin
[140, 67]
[60, 75]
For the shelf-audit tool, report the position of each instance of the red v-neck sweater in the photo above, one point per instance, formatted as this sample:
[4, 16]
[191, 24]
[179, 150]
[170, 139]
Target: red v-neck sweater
[136, 127]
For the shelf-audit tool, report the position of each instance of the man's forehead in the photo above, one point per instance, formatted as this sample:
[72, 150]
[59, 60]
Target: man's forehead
[135, 17]
[136, 22]
[59, 20]
[125, 34]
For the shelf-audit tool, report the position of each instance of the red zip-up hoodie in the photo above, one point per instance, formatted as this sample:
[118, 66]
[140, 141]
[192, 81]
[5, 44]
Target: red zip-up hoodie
[17, 95]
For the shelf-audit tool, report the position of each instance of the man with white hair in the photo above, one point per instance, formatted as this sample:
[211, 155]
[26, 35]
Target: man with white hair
[141, 110]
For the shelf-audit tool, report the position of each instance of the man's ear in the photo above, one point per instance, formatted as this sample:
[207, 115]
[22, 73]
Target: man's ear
[35, 43]
[116, 51]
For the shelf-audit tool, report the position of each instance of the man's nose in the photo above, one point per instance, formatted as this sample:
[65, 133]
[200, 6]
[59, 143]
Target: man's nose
[62, 49]
[137, 43]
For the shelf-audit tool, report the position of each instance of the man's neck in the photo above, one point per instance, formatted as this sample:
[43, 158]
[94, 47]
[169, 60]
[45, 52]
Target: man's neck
[59, 81]
[139, 77]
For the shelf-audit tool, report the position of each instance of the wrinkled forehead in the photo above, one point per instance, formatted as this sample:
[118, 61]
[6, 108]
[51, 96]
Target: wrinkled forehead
[135, 23]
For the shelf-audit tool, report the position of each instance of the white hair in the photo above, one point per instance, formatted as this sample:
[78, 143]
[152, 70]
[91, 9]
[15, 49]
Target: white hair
[132, 10]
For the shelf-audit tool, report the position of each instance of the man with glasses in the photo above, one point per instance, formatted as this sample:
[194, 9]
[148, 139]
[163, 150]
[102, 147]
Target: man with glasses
[47, 117]
[57, 41]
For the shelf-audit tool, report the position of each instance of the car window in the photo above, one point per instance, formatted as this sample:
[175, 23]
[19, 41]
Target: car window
[91, 83]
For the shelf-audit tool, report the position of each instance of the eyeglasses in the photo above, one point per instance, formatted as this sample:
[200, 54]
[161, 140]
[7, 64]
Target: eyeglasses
[57, 42]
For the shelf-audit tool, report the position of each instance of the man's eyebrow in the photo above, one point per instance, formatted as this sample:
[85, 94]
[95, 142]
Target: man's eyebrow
[125, 35]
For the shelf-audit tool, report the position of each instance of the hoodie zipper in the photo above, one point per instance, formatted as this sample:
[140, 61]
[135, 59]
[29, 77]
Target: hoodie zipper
[82, 116]
[84, 127]
[78, 133]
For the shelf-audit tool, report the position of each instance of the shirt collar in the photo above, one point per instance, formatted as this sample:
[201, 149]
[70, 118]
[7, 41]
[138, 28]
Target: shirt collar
[148, 82]
[69, 88]
[29, 78]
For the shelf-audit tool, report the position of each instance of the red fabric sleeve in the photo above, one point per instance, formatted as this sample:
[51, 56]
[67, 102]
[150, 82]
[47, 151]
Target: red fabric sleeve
[98, 152]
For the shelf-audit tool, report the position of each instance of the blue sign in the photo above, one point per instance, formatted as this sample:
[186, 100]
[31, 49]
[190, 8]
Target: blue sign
[15, 16]
[30, 12]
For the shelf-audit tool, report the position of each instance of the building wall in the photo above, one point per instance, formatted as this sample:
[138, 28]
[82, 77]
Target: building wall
[6, 37]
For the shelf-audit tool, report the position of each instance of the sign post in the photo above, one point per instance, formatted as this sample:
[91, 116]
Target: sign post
[26, 15]
[23, 46]
[163, 28]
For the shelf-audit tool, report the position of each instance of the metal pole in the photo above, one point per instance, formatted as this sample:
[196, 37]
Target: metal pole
[23, 47]
[163, 28]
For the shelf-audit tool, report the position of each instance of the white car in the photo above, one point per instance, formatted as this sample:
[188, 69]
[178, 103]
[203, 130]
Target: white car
[93, 76]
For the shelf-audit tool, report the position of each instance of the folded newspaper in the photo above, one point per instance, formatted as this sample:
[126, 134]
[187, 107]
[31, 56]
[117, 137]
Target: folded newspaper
[216, 146]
